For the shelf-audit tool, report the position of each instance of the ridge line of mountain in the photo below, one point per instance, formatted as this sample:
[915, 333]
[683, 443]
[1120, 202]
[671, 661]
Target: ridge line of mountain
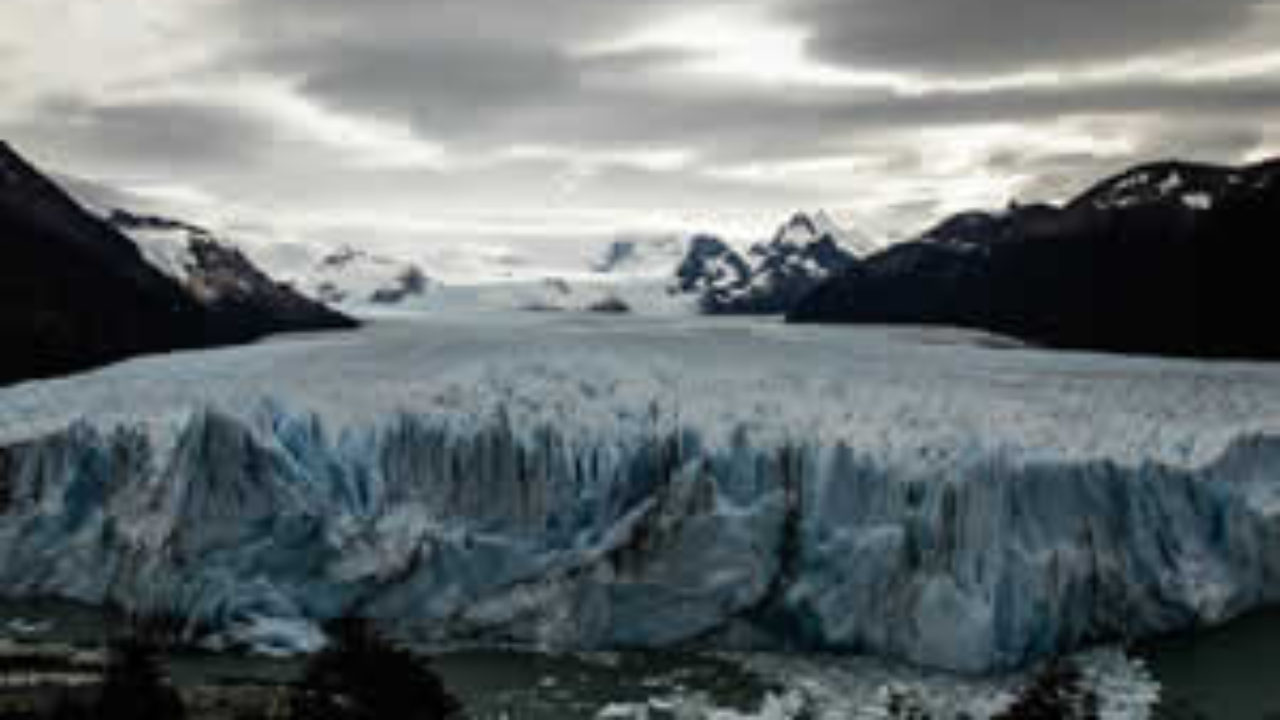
[77, 293]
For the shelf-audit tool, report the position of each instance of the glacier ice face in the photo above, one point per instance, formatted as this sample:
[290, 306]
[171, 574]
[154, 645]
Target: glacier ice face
[947, 505]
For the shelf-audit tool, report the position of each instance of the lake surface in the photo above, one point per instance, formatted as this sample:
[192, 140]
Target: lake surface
[1226, 673]
[518, 684]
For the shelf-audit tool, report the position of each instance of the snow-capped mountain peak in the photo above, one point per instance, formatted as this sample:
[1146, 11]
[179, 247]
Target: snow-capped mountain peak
[804, 228]
[798, 230]
[770, 276]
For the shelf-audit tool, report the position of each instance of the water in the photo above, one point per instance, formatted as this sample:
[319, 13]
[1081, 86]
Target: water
[527, 686]
[1228, 673]
[492, 683]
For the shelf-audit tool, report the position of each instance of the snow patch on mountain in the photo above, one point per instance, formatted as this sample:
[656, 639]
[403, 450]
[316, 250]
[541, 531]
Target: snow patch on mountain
[1170, 184]
[1198, 201]
[168, 250]
[166, 244]
[350, 276]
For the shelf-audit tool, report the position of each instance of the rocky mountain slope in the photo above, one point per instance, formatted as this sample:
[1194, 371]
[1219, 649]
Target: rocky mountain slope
[770, 277]
[221, 278]
[1170, 258]
[76, 293]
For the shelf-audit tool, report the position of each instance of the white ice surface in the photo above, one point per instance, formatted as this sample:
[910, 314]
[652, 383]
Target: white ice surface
[890, 391]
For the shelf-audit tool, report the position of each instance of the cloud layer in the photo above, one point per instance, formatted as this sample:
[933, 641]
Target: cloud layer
[658, 112]
[1010, 36]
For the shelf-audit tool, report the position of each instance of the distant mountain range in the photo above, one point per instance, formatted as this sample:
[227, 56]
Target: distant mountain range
[769, 277]
[341, 275]
[76, 291]
[1170, 258]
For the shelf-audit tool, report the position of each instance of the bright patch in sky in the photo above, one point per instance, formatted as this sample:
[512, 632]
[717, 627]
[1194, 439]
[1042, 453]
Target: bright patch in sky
[739, 41]
[587, 161]
[367, 141]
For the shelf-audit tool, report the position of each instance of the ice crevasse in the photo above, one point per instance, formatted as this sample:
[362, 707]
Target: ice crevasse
[559, 499]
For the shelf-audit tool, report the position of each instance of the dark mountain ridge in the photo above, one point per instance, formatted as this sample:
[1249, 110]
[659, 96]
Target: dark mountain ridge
[76, 293]
[222, 279]
[1168, 258]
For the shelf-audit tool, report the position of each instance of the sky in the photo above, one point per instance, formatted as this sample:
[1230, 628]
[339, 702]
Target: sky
[500, 122]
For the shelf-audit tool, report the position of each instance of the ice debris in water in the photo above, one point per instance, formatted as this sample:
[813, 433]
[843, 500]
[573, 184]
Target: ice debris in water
[852, 688]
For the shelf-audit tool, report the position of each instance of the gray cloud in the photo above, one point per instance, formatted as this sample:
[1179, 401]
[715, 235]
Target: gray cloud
[499, 72]
[1187, 102]
[446, 87]
[1008, 36]
[1059, 176]
[775, 124]
[185, 132]
[193, 137]
[494, 72]
[481, 76]
[457, 69]
[549, 21]
[1206, 140]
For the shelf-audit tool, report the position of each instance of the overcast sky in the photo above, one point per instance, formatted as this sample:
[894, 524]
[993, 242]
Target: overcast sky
[489, 120]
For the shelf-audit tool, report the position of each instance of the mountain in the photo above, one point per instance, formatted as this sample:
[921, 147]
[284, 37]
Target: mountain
[1170, 258]
[77, 293]
[334, 274]
[804, 228]
[711, 267]
[642, 256]
[977, 231]
[350, 276]
[770, 278]
[222, 279]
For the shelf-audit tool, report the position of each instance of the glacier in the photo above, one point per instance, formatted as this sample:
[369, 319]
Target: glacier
[576, 482]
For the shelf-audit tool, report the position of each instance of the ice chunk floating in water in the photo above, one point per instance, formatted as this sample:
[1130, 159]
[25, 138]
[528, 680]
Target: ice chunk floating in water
[570, 483]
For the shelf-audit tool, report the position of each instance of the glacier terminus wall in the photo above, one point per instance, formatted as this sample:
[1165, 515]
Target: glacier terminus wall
[563, 484]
